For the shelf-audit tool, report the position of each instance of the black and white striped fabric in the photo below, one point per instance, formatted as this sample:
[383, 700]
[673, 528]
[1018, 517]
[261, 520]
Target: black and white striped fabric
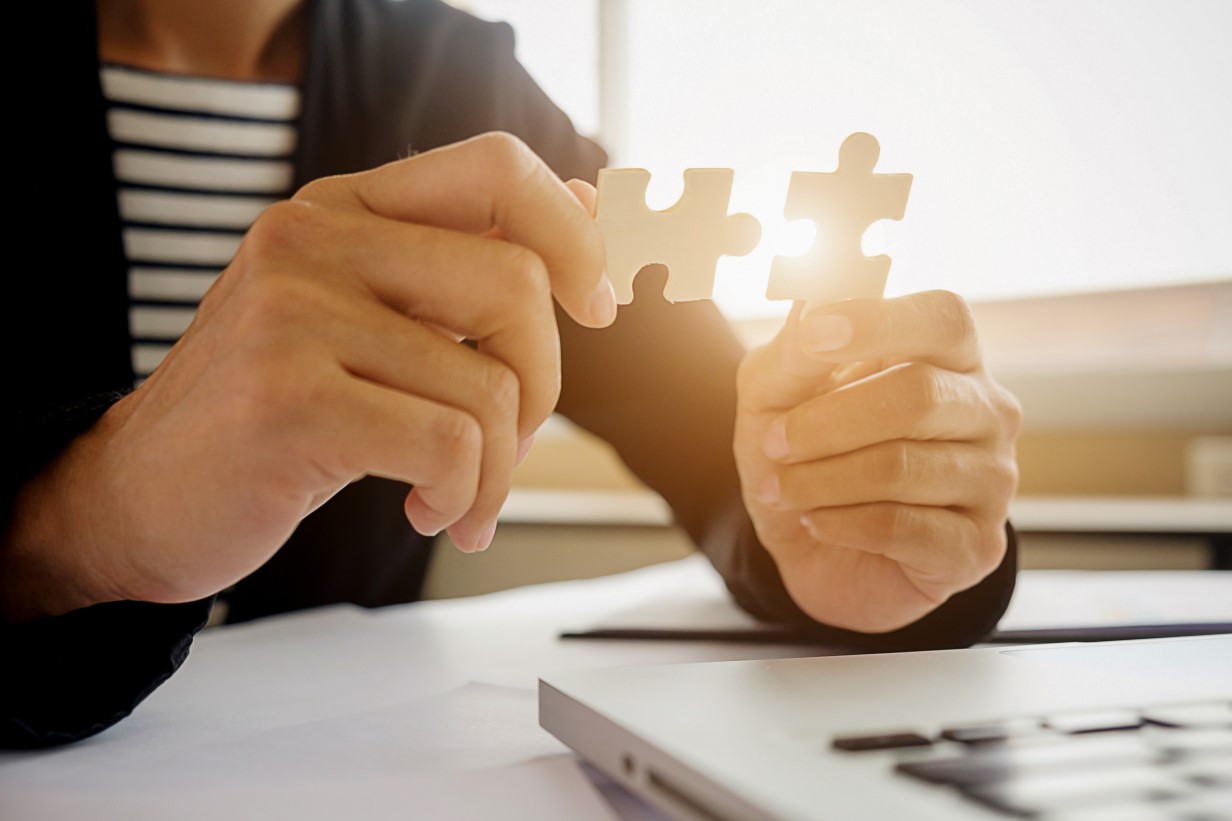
[196, 160]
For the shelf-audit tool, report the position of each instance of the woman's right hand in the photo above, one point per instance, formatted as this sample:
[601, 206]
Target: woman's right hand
[327, 351]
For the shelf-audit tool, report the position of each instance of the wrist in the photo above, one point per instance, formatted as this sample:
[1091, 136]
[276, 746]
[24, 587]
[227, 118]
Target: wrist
[51, 548]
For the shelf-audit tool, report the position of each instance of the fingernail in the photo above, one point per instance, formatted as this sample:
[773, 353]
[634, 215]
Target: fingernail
[775, 446]
[603, 302]
[809, 526]
[426, 521]
[485, 538]
[826, 332]
[768, 490]
[431, 531]
[524, 448]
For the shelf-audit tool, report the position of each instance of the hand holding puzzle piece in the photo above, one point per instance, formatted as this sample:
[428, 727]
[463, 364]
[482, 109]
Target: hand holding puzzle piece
[690, 236]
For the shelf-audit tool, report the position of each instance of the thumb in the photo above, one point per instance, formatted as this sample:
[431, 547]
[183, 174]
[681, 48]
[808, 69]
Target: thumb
[781, 374]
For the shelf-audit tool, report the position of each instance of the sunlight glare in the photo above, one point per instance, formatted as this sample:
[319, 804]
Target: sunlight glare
[740, 282]
[878, 239]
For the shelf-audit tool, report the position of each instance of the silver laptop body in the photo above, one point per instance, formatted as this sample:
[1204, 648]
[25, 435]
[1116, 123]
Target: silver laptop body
[756, 739]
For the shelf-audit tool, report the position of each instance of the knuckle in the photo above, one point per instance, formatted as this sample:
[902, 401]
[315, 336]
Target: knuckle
[502, 390]
[894, 525]
[924, 393]
[528, 274]
[894, 467]
[458, 436]
[315, 190]
[284, 225]
[1005, 477]
[507, 153]
[1010, 410]
[956, 317]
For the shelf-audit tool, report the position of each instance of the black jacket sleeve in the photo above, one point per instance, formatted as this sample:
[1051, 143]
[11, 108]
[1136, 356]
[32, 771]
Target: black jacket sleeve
[70, 676]
[74, 675]
[660, 386]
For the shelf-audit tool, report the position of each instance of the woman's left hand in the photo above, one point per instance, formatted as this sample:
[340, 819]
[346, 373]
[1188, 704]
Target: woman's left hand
[876, 457]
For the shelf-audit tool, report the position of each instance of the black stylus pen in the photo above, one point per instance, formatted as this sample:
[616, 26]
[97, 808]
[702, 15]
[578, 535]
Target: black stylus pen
[791, 635]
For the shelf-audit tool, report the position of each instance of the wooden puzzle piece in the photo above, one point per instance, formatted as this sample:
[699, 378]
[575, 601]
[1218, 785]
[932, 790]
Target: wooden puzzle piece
[688, 238]
[843, 203]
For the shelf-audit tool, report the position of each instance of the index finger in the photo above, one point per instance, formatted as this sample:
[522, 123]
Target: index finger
[932, 326]
[495, 181]
[812, 349]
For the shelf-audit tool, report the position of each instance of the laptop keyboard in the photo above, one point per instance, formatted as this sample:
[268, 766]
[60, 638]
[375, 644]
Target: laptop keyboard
[1164, 762]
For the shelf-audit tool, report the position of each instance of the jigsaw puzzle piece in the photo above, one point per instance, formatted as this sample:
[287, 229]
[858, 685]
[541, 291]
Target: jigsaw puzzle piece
[843, 204]
[688, 238]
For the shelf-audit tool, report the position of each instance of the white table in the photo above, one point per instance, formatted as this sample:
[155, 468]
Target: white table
[426, 710]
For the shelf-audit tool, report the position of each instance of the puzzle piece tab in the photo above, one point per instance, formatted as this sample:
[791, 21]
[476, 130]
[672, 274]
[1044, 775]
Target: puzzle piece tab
[843, 203]
[688, 238]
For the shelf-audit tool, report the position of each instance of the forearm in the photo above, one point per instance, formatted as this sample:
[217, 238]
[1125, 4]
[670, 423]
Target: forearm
[36, 580]
[48, 541]
[72, 666]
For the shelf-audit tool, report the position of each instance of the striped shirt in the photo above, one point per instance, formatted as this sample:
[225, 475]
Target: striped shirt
[196, 160]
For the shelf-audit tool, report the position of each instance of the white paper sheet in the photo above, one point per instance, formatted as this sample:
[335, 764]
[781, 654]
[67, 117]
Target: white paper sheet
[1042, 599]
[1075, 598]
[539, 790]
[476, 726]
[473, 752]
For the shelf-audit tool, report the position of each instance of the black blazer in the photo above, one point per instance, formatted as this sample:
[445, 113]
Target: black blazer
[383, 79]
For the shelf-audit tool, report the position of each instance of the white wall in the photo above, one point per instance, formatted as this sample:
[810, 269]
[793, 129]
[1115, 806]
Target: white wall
[1057, 146]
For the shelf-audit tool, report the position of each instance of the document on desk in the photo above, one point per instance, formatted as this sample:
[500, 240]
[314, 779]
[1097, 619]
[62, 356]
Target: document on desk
[473, 752]
[1084, 603]
[1047, 599]
[545, 788]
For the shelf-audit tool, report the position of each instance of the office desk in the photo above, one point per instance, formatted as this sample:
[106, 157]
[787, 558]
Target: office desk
[1209, 519]
[427, 710]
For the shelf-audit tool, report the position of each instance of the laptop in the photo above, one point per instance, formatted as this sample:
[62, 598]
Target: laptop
[1074, 732]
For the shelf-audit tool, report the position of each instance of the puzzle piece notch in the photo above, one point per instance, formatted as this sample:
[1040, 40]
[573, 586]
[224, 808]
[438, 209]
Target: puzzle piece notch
[843, 203]
[688, 238]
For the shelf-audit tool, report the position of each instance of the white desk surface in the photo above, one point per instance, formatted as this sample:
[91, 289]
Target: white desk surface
[425, 710]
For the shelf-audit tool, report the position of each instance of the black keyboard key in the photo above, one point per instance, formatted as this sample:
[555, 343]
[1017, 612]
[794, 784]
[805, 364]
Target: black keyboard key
[1207, 772]
[1037, 794]
[881, 741]
[1100, 722]
[1204, 805]
[1191, 715]
[992, 731]
[990, 764]
[1193, 742]
[1127, 810]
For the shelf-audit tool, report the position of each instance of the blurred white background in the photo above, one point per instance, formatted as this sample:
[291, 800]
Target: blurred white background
[1057, 146]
